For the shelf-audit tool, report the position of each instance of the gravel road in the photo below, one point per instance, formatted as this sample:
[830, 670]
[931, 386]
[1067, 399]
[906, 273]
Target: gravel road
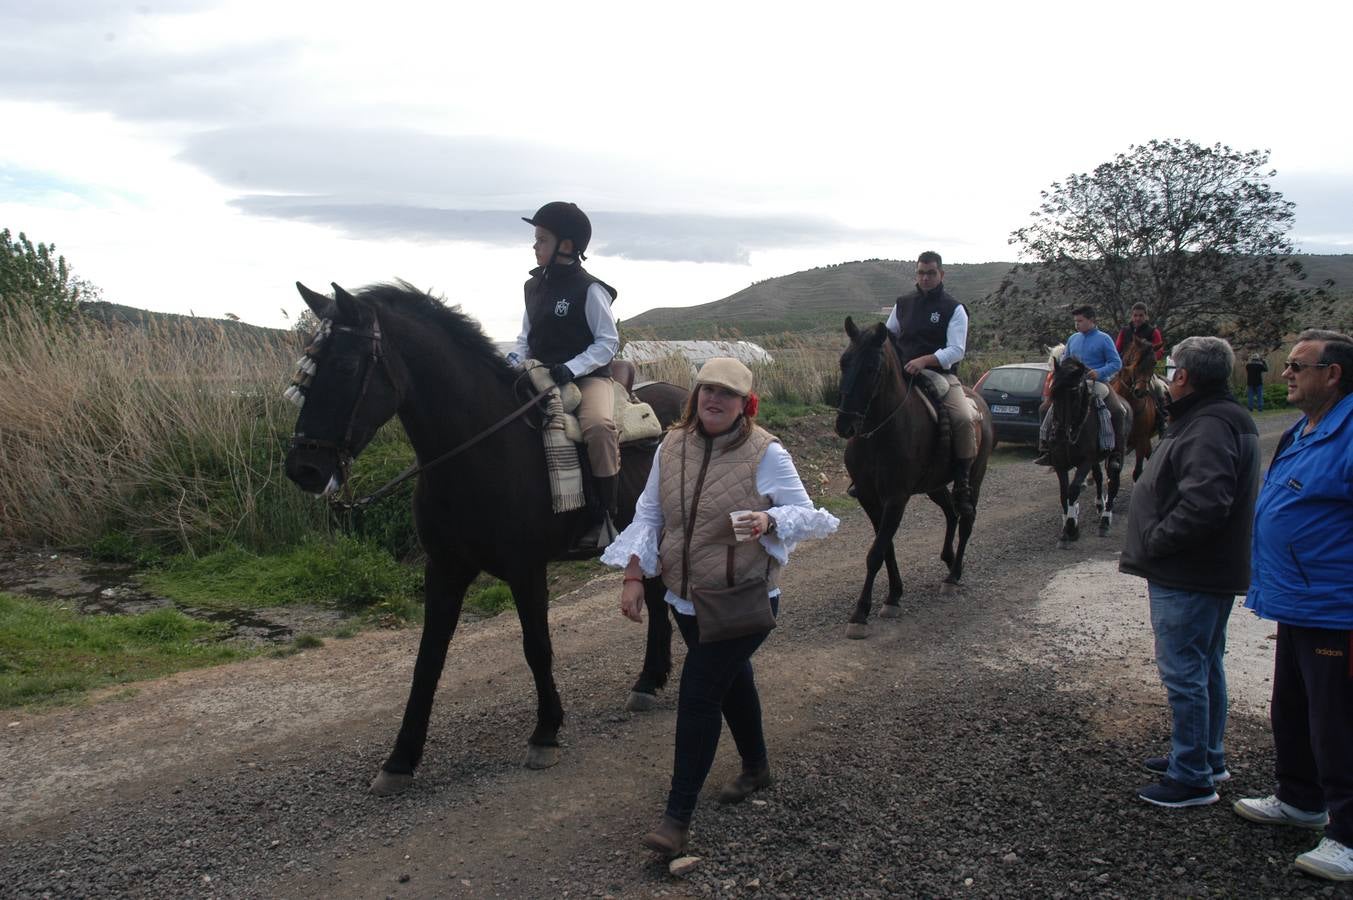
[987, 743]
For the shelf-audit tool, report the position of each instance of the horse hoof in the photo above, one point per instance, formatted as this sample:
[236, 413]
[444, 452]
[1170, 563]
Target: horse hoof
[856, 631]
[948, 587]
[641, 702]
[890, 611]
[538, 757]
[387, 784]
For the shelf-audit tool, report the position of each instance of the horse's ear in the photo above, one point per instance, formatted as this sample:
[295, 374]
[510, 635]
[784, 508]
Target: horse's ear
[878, 335]
[348, 308]
[851, 331]
[319, 304]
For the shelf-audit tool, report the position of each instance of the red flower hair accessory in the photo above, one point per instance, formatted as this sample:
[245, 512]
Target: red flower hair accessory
[751, 405]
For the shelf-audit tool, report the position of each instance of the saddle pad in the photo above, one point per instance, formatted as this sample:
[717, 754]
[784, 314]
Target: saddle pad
[635, 421]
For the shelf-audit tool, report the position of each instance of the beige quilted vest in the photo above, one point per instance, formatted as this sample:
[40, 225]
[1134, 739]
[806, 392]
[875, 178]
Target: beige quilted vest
[717, 481]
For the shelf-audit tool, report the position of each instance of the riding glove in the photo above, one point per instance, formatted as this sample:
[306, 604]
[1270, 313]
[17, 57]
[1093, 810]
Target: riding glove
[561, 374]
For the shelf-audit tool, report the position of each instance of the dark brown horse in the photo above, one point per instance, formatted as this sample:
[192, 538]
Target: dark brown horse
[893, 453]
[1074, 445]
[1133, 384]
[392, 350]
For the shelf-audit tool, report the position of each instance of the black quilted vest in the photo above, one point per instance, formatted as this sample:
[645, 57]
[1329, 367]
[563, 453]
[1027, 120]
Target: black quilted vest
[923, 320]
[556, 307]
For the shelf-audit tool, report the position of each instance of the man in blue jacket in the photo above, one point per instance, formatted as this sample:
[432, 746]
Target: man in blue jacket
[1188, 535]
[1302, 579]
[1094, 348]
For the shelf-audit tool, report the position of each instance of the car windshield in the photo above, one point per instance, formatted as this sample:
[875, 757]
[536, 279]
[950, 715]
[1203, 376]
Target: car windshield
[1016, 381]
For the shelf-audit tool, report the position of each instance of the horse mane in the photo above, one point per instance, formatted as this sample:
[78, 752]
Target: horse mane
[1055, 354]
[401, 298]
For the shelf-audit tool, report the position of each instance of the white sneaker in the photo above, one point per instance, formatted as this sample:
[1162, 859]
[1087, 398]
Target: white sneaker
[1272, 811]
[1330, 859]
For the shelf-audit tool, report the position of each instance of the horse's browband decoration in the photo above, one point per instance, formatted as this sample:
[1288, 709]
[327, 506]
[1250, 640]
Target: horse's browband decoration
[307, 365]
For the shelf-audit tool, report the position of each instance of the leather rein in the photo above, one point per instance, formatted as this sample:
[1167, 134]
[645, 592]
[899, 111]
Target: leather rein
[343, 448]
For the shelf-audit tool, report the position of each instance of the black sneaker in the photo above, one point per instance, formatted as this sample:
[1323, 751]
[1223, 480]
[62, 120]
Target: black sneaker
[1168, 792]
[1159, 765]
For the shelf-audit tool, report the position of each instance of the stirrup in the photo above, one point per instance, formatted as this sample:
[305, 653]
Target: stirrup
[598, 537]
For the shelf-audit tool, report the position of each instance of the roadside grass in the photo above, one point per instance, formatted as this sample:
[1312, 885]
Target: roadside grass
[343, 572]
[50, 656]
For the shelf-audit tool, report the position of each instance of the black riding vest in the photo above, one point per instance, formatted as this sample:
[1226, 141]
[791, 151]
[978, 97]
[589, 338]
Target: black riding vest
[923, 320]
[556, 308]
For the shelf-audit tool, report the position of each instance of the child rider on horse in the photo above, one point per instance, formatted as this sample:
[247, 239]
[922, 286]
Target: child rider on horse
[1140, 327]
[569, 327]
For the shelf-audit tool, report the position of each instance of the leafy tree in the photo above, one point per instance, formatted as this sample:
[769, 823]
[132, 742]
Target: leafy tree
[33, 276]
[1197, 233]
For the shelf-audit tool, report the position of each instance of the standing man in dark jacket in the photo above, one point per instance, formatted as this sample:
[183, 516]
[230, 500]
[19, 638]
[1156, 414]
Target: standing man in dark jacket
[1303, 580]
[1188, 535]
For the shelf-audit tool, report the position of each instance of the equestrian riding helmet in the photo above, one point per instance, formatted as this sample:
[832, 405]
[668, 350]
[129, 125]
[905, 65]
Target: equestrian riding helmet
[566, 222]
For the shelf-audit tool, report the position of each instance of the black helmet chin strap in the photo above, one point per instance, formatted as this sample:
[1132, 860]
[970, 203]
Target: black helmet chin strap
[576, 256]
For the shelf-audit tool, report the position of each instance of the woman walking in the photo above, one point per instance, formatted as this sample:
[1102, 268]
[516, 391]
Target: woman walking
[722, 510]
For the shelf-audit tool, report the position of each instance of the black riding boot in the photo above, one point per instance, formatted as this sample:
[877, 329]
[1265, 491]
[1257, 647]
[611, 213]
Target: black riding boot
[963, 487]
[1044, 457]
[603, 530]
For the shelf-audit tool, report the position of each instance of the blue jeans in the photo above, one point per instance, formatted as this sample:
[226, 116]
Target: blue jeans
[716, 686]
[1254, 397]
[1190, 630]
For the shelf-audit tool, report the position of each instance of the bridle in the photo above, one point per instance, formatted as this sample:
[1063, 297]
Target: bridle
[864, 415]
[343, 448]
[1073, 394]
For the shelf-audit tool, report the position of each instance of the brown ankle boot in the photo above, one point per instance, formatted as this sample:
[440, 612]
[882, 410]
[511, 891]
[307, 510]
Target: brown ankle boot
[669, 838]
[746, 784]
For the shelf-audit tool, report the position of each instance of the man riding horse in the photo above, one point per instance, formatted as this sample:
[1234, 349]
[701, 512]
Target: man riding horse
[930, 329]
[1140, 328]
[1096, 351]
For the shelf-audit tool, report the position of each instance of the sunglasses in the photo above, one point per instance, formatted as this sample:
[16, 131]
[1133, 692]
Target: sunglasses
[1298, 366]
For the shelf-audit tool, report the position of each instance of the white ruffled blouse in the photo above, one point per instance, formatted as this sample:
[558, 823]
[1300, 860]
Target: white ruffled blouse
[796, 519]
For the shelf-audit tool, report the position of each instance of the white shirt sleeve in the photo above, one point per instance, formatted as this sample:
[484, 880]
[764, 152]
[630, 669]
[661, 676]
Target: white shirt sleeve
[605, 334]
[796, 519]
[640, 537]
[892, 323]
[955, 341]
[521, 353]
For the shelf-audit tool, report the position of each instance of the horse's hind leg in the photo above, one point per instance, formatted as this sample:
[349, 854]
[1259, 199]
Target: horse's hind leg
[945, 501]
[531, 594]
[1103, 503]
[444, 592]
[658, 651]
[886, 527]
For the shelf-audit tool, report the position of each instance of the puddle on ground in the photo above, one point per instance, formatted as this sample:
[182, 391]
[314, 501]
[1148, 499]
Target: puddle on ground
[94, 588]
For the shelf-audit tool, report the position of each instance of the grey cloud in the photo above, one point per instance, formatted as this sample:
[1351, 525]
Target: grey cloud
[641, 235]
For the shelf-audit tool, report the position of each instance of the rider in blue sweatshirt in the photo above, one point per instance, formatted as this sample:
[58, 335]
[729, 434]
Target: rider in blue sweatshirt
[1096, 350]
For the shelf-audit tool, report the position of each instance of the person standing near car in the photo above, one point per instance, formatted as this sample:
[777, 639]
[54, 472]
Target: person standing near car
[1188, 535]
[1303, 580]
[1254, 382]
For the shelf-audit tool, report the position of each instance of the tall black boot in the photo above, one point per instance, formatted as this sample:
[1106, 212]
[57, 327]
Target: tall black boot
[963, 487]
[602, 530]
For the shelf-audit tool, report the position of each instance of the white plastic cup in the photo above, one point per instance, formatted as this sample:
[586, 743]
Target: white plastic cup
[744, 521]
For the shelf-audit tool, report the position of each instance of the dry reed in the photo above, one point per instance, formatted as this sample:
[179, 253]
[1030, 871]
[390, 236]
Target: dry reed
[170, 433]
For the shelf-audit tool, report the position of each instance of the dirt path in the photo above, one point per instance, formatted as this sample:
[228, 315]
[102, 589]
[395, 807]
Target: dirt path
[987, 741]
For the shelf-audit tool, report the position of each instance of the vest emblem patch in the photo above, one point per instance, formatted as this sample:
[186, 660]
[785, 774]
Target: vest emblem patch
[561, 308]
[935, 318]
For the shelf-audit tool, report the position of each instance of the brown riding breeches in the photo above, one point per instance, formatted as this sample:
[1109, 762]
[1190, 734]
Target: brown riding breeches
[962, 432]
[596, 415]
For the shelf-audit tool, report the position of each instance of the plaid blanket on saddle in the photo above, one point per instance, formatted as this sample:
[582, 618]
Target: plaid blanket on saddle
[561, 453]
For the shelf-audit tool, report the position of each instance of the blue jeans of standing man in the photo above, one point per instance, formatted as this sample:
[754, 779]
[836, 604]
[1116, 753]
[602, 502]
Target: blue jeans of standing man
[1254, 397]
[1190, 630]
[717, 685]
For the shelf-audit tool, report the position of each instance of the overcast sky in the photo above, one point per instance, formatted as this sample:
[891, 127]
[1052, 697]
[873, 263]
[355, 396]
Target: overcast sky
[205, 154]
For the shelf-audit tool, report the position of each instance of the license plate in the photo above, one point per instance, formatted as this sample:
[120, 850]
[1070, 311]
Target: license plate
[1007, 410]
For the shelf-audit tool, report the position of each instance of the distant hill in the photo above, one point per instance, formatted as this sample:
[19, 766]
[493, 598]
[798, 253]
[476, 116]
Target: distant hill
[115, 314]
[817, 300]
